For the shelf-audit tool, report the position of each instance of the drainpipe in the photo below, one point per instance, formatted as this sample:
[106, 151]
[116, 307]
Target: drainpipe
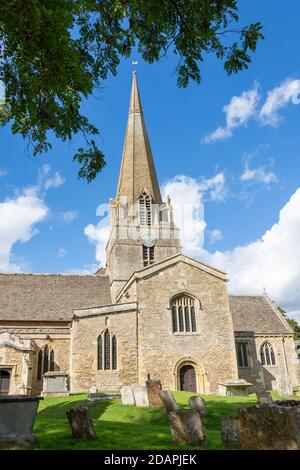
[284, 355]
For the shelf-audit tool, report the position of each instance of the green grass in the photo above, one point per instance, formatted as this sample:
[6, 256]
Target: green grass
[127, 427]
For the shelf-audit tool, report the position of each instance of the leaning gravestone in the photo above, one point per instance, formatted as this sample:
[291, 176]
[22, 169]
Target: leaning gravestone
[264, 397]
[187, 427]
[168, 401]
[140, 395]
[270, 427]
[284, 386]
[153, 388]
[81, 423]
[127, 395]
[230, 430]
[197, 404]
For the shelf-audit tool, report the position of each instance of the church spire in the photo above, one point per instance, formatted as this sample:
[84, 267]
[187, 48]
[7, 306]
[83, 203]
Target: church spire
[137, 168]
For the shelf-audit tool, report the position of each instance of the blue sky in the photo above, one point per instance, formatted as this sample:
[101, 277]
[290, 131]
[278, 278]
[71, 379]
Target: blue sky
[259, 163]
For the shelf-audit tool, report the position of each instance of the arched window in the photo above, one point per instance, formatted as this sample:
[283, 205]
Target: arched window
[145, 209]
[45, 361]
[107, 351]
[267, 355]
[183, 314]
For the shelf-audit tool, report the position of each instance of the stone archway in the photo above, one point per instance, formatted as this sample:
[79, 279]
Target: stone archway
[189, 376]
[4, 382]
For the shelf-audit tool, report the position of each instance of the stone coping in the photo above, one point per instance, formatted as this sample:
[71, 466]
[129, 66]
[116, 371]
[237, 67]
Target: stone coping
[55, 374]
[18, 398]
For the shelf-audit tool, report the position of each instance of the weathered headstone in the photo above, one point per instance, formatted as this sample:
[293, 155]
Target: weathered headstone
[168, 401]
[269, 427]
[187, 427]
[284, 386]
[198, 404]
[93, 390]
[127, 395]
[140, 395]
[230, 430]
[153, 388]
[264, 397]
[81, 423]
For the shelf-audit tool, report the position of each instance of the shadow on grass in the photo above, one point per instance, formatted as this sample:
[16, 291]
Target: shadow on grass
[128, 427]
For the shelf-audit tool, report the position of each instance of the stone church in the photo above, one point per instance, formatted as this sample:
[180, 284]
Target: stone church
[150, 312]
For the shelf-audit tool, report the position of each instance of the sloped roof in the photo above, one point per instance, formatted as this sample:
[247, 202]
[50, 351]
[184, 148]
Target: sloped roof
[50, 297]
[257, 314]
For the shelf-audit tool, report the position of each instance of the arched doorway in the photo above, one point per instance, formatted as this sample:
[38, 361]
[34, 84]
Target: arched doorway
[187, 377]
[4, 382]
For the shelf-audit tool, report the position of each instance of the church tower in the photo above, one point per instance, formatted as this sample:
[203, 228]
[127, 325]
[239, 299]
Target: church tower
[142, 230]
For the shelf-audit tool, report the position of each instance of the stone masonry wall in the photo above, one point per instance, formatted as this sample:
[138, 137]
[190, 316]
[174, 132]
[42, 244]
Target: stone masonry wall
[211, 349]
[85, 332]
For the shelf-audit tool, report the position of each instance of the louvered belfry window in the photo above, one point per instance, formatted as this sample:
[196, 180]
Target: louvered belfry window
[145, 204]
[107, 351]
[148, 255]
[183, 314]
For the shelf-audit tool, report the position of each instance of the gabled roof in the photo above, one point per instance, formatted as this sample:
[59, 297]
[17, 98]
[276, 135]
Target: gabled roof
[166, 263]
[257, 314]
[49, 297]
[137, 167]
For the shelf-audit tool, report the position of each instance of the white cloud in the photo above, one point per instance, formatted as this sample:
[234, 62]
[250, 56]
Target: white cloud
[238, 112]
[279, 97]
[260, 175]
[54, 181]
[273, 261]
[69, 216]
[18, 218]
[98, 234]
[215, 236]
[62, 253]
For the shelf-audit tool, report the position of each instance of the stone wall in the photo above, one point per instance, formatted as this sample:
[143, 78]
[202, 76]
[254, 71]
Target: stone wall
[85, 333]
[265, 376]
[161, 352]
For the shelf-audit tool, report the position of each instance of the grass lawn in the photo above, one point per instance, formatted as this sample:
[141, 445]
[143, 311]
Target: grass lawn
[127, 427]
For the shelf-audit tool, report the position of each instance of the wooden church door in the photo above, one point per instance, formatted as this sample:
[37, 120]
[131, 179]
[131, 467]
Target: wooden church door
[4, 382]
[188, 379]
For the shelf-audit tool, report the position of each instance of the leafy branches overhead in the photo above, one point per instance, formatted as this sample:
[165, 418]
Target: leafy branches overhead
[53, 53]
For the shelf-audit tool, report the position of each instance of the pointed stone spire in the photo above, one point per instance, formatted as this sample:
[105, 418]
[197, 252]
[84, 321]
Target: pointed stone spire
[137, 168]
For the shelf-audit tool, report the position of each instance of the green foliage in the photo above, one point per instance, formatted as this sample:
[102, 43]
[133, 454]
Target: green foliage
[54, 53]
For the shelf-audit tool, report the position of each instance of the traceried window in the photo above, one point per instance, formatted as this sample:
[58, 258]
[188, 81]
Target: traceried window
[242, 354]
[183, 314]
[148, 255]
[45, 361]
[145, 209]
[107, 351]
[267, 355]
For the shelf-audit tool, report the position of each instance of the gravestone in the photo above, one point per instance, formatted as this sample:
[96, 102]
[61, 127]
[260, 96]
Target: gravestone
[230, 430]
[17, 417]
[153, 388]
[264, 397]
[93, 390]
[270, 427]
[140, 395]
[198, 404]
[186, 427]
[168, 401]
[284, 386]
[81, 423]
[127, 395]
